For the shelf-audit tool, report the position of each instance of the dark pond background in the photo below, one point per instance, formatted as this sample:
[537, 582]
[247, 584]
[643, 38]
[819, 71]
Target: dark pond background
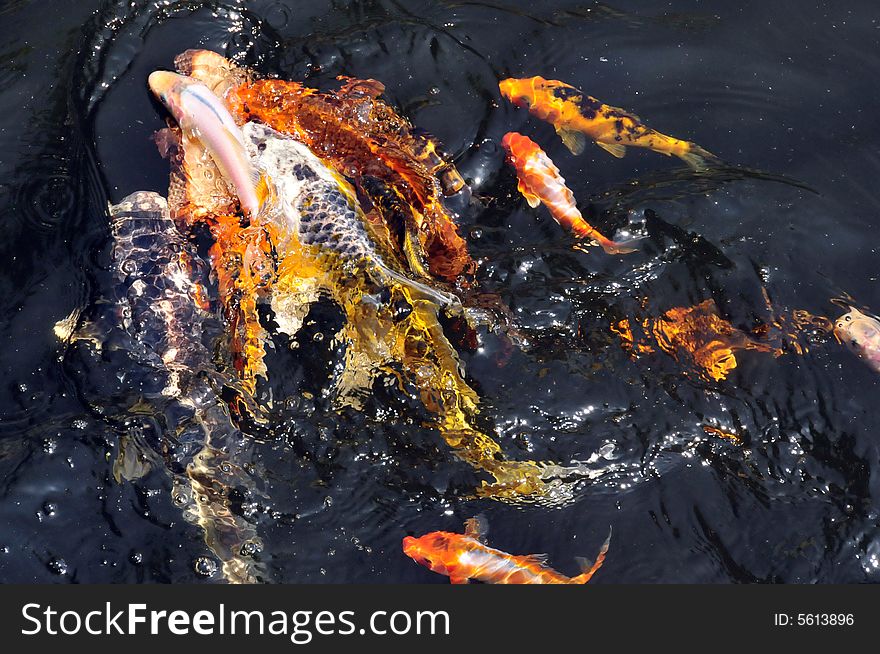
[785, 87]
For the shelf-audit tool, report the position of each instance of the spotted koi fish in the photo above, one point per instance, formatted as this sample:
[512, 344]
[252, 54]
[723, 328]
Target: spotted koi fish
[540, 181]
[320, 207]
[160, 300]
[576, 115]
[861, 334]
[466, 556]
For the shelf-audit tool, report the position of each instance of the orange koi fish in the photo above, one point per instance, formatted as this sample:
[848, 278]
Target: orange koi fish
[576, 115]
[466, 556]
[540, 181]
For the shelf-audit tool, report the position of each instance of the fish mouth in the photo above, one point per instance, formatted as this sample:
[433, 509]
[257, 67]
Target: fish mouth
[409, 546]
[412, 550]
[161, 82]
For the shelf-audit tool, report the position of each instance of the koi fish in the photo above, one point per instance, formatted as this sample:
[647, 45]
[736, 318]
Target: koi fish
[540, 181]
[158, 298]
[203, 116]
[321, 208]
[466, 556]
[576, 115]
[861, 334]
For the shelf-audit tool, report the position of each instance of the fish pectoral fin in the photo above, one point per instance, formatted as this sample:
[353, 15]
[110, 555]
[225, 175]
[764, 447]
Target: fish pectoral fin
[572, 139]
[477, 527]
[531, 198]
[614, 149]
[459, 580]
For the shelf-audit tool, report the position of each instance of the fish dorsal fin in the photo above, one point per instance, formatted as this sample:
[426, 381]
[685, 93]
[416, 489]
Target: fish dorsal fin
[535, 559]
[572, 139]
[614, 149]
[477, 528]
[623, 113]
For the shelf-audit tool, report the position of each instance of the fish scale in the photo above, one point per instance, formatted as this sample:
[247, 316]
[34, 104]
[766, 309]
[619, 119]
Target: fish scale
[154, 274]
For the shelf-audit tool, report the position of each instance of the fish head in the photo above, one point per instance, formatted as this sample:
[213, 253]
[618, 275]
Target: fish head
[507, 141]
[431, 550]
[519, 147]
[858, 331]
[192, 104]
[168, 88]
[520, 92]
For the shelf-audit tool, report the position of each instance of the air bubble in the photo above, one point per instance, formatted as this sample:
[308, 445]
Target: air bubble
[205, 566]
[250, 548]
[57, 566]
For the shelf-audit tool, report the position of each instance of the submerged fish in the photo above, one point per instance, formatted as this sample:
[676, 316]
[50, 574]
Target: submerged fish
[466, 556]
[576, 115]
[861, 334]
[202, 115]
[160, 302]
[540, 181]
[697, 337]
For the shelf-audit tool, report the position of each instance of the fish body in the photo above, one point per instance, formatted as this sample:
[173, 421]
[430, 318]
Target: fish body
[463, 557]
[320, 208]
[861, 334]
[203, 116]
[576, 115]
[161, 303]
[539, 181]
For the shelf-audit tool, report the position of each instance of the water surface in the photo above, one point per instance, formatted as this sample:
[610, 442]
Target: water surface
[785, 87]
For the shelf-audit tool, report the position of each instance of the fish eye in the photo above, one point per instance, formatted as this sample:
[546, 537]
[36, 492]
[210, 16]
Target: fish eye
[847, 318]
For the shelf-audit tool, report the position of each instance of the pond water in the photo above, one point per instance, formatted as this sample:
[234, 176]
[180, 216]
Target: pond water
[787, 88]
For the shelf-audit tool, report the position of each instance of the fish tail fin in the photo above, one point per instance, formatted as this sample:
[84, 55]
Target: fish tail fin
[698, 158]
[625, 246]
[589, 569]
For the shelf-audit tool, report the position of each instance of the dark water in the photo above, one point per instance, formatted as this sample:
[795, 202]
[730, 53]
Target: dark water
[785, 87]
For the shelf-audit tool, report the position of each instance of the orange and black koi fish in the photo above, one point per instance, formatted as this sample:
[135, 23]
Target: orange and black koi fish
[576, 115]
[540, 181]
[466, 556]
